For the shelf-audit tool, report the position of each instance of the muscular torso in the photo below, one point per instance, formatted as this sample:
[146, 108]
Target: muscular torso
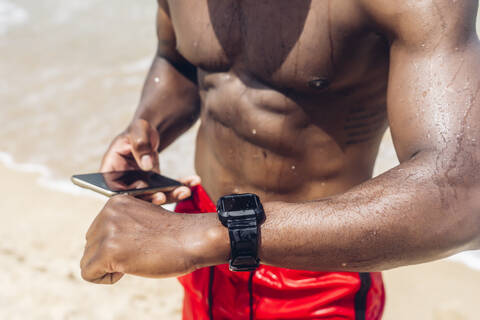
[293, 94]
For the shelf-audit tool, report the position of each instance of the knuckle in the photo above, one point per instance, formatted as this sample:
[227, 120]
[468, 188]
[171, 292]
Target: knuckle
[84, 271]
[141, 143]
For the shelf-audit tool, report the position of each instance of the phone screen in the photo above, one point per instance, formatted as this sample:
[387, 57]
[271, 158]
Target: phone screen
[126, 181]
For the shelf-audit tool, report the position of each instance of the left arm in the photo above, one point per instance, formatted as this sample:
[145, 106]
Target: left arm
[426, 208]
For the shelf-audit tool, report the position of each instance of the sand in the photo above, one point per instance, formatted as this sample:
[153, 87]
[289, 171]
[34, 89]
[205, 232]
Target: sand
[41, 243]
[69, 86]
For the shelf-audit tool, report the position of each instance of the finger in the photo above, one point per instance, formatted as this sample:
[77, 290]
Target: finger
[109, 278]
[114, 158]
[159, 198]
[143, 142]
[122, 146]
[191, 181]
[94, 268]
[90, 270]
[90, 250]
[178, 194]
[94, 271]
[183, 192]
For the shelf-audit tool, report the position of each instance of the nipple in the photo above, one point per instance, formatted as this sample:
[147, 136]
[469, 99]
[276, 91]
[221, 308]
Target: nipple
[319, 83]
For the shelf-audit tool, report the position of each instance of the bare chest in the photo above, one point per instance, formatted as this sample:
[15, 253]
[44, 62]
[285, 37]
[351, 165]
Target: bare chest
[286, 43]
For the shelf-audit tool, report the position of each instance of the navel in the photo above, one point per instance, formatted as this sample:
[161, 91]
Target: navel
[319, 83]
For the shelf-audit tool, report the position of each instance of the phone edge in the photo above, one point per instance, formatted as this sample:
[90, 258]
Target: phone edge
[92, 187]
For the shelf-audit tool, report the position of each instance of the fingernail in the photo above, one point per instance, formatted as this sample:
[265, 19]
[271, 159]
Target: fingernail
[147, 163]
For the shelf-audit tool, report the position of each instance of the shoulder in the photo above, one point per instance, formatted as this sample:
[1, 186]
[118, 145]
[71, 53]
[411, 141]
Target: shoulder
[415, 21]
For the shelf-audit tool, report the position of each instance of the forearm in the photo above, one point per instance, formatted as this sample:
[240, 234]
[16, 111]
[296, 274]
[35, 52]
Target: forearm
[414, 213]
[170, 100]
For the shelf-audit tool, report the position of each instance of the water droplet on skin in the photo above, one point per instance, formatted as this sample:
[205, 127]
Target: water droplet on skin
[236, 190]
[344, 264]
[254, 131]
[322, 184]
[156, 79]
[319, 83]
[293, 167]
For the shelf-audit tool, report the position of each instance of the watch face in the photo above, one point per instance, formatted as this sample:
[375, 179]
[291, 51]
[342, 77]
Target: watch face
[240, 203]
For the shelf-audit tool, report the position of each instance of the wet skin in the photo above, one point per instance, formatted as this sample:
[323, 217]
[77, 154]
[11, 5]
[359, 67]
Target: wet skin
[293, 99]
[296, 117]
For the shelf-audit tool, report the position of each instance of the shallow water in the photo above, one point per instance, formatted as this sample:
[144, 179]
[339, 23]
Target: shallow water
[70, 78]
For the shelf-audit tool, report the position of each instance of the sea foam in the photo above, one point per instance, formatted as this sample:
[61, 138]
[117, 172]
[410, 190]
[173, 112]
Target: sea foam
[45, 176]
[45, 179]
[11, 15]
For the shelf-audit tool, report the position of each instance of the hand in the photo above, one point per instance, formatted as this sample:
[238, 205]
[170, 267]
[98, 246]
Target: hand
[135, 237]
[136, 149]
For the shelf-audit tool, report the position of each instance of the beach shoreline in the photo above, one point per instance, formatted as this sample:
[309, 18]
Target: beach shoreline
[68, 87]
[42, 239]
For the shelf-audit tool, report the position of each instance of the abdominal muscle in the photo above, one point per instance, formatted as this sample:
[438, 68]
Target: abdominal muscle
[255, 139]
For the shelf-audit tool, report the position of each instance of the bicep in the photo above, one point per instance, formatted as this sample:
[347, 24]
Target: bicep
[434, 80]
[432, 97]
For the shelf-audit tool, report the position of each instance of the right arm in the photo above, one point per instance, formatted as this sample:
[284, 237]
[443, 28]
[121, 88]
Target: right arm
[170, 101]
[169, 105]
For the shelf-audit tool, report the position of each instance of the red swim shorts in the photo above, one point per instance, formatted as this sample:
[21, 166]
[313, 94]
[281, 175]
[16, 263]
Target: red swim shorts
[276, 293]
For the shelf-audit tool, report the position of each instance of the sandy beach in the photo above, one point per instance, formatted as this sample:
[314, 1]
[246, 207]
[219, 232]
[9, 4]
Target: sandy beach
[42, 239]
[41, 243]
[71, 73]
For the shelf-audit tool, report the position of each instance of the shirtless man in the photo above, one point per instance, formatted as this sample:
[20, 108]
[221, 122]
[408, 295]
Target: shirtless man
[293, 98]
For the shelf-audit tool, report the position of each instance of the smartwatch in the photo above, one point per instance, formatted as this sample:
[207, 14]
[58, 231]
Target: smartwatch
[242, 214]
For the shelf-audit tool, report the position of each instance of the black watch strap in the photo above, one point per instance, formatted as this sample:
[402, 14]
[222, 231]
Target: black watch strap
[242, 214]
[244, 236]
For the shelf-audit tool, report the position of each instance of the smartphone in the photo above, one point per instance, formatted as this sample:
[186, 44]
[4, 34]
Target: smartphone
[132, 182]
